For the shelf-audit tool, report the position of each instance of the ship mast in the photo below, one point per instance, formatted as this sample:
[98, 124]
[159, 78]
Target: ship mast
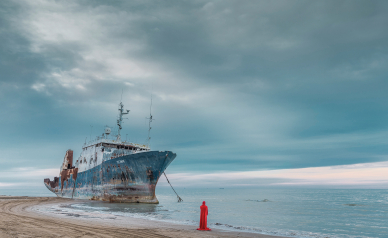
[119, 121]
[149, 126]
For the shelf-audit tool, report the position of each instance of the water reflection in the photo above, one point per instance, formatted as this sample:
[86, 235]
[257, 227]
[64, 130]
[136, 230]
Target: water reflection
[135, 208]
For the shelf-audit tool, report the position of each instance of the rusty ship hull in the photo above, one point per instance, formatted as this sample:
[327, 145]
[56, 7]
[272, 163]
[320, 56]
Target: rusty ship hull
[126, 178]
[110, 169]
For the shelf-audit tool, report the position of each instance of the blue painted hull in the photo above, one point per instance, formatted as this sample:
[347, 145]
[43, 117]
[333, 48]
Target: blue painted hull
[129, 178]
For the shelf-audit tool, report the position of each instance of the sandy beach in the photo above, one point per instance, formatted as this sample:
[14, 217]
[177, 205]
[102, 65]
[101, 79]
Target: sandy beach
[22, 217]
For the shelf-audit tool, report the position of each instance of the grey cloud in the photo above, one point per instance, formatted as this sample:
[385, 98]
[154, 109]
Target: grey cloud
[236, 85]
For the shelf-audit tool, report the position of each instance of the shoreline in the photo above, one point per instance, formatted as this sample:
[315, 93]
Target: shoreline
[17, 210]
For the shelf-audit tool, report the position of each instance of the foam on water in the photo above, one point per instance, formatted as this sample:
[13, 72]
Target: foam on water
[284, 212]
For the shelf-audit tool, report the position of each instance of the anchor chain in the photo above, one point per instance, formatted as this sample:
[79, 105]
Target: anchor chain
[179, 198]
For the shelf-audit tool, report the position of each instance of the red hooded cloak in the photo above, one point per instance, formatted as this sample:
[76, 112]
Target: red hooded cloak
[203, 219]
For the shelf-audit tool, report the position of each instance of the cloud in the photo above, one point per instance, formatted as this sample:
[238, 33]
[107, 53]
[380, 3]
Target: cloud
[6, 184]
[368, 175]
[28, 173]
[27, 177]
[236, 86]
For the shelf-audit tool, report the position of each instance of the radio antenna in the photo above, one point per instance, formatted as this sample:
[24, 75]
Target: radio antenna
[91, 129]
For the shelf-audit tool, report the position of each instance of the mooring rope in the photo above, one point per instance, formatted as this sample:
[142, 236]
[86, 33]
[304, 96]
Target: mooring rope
[179, 198]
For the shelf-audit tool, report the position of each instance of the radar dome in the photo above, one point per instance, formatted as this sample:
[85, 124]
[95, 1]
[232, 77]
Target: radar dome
[107, 130]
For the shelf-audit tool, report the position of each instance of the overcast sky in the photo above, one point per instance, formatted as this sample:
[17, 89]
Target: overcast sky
[238, 86]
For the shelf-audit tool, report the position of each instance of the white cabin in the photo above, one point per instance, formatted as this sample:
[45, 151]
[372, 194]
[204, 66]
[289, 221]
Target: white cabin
[101, 150]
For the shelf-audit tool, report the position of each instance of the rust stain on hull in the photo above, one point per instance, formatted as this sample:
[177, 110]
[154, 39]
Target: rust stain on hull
[127, 178]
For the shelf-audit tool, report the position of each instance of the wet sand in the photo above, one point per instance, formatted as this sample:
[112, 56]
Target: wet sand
[22, 217]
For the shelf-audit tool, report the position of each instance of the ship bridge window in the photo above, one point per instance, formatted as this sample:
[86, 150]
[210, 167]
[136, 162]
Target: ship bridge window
[126, 147]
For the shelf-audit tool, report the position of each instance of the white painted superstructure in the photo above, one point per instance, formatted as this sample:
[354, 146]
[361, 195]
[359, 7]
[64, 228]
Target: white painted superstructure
[102, 149]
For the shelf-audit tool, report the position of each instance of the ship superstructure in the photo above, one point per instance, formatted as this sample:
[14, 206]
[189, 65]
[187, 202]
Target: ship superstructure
[112, 170]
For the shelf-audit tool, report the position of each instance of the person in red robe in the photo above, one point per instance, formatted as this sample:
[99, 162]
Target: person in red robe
[203, 220]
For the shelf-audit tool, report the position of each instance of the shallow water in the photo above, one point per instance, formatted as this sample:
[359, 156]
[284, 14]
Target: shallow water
[288, 212]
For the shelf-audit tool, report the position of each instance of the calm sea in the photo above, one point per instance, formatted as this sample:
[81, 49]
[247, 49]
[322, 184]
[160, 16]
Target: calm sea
[288, 212]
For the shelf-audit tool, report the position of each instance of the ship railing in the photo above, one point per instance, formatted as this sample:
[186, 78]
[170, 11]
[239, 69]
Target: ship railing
[104, 140]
